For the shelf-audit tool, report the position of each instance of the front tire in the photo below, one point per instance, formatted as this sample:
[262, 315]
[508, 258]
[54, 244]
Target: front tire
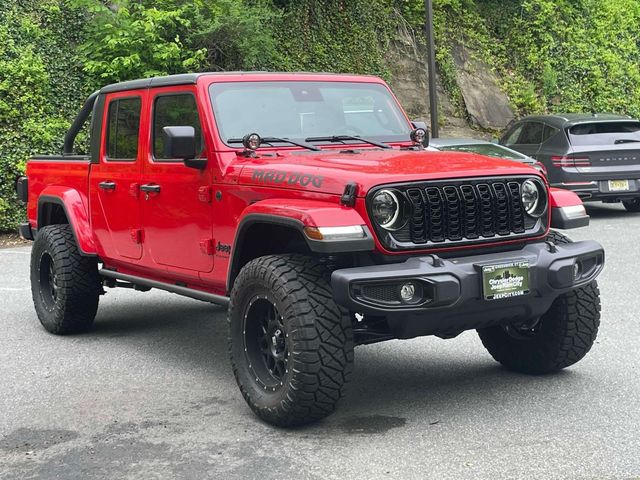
[65, 285]
[632, 205]
[561, 337]
[291, 346]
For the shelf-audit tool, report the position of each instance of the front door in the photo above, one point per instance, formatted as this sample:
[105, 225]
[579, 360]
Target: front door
[115, 209]
[175, 199]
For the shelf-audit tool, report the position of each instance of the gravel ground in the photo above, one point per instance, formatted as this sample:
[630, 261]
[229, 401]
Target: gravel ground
[149, 394]
[10, 240]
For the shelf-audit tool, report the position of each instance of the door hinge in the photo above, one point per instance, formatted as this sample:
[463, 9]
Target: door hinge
[208, 246]
[136, 235]
[204, 194]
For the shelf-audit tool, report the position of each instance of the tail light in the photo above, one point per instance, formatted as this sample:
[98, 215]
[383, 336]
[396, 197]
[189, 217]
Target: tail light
[560, 162]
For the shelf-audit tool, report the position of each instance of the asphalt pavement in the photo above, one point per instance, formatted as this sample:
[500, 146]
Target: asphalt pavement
[149, 394]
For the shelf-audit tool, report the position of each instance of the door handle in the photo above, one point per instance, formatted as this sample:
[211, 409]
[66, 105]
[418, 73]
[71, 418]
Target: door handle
[107, 185]
[148, 188]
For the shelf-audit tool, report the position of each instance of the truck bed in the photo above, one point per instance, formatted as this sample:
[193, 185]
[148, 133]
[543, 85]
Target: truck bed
[46, 171]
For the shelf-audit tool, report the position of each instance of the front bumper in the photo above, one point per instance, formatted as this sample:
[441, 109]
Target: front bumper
[453, 298]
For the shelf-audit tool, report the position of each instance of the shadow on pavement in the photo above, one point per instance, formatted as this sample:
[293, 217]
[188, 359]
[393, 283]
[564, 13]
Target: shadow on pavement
[389, 379]
[609, 211]
[190, 333]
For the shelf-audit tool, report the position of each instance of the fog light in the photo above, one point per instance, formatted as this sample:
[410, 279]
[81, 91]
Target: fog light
[407, 292]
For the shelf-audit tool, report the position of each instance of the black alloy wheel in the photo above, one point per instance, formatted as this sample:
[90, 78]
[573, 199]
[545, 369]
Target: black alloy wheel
[48, 281]
[265, 342]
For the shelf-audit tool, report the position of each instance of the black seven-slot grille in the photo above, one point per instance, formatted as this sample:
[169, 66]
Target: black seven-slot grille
[466, 211]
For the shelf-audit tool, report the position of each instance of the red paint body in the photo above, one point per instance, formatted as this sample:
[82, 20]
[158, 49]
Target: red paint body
[171, 236]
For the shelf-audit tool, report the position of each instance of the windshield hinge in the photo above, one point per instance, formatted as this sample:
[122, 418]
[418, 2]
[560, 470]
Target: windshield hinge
[348, 198]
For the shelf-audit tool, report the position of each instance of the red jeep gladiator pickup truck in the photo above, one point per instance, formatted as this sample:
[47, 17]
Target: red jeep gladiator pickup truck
[307, 204]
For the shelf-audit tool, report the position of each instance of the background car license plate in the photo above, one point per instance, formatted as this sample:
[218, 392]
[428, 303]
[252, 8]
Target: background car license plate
[506, 280]
[618, 185]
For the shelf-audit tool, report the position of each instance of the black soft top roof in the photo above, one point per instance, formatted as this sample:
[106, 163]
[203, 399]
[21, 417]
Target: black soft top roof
[182, 79]
[190, 79]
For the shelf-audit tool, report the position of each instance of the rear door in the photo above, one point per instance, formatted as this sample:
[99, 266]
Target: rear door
[176, 206]
[113, 182]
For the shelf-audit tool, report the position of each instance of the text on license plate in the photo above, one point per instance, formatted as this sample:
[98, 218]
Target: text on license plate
[618, 185]
[505, 280]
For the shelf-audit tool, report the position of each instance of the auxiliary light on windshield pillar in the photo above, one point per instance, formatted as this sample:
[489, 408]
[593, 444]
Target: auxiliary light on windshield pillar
[431, 66]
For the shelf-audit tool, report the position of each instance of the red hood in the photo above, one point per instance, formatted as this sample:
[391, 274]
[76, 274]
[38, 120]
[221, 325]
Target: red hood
[331, 170]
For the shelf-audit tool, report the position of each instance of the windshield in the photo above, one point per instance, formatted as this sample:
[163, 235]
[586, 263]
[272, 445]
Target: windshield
[604, 133]
[299, 110]
[490, 150]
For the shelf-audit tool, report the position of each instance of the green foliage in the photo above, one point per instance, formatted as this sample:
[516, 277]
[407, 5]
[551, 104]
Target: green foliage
[40, 82]
[128, 40]
[138, 39]
[550, 55]
[580, 55]
[349, 36]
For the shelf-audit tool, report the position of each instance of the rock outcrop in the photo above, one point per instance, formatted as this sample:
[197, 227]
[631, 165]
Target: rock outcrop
[487, 106]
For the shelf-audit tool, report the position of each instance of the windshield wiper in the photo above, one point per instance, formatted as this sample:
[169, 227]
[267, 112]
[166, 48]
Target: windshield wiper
[625, 140]
[283, 140]
[344, 138]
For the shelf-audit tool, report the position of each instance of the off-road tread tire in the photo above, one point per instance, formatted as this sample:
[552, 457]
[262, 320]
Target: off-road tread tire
[632, 205]
[320, 334]
[79, 284]
[567, 332]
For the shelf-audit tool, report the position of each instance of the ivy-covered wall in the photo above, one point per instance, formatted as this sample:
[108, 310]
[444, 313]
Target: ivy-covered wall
[41, 82]
[334, 36]
[549, 55]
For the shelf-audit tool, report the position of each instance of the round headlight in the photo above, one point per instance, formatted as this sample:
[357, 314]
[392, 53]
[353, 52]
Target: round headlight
[385, 209]
[533, 198]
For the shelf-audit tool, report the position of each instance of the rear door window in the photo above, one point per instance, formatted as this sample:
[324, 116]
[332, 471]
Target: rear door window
[123, 128]
[548, 132]
[531, 134]
[512, 137]
[604, 133]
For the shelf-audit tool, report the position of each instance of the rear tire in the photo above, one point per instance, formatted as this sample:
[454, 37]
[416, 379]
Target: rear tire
[632, 205]
[562, 336]
[65, 285]
[291, 346]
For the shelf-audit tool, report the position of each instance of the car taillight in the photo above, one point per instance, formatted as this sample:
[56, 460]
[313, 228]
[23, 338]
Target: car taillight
[560, 162]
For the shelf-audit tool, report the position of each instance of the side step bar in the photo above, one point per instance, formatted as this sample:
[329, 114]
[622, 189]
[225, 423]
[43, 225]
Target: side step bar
[180, 290]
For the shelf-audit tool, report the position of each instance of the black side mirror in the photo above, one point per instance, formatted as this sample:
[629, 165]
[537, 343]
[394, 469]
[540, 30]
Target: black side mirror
[180, 143]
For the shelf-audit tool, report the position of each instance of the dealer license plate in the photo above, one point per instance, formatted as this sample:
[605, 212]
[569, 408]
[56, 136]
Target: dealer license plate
[505, 280]
[619, 185]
